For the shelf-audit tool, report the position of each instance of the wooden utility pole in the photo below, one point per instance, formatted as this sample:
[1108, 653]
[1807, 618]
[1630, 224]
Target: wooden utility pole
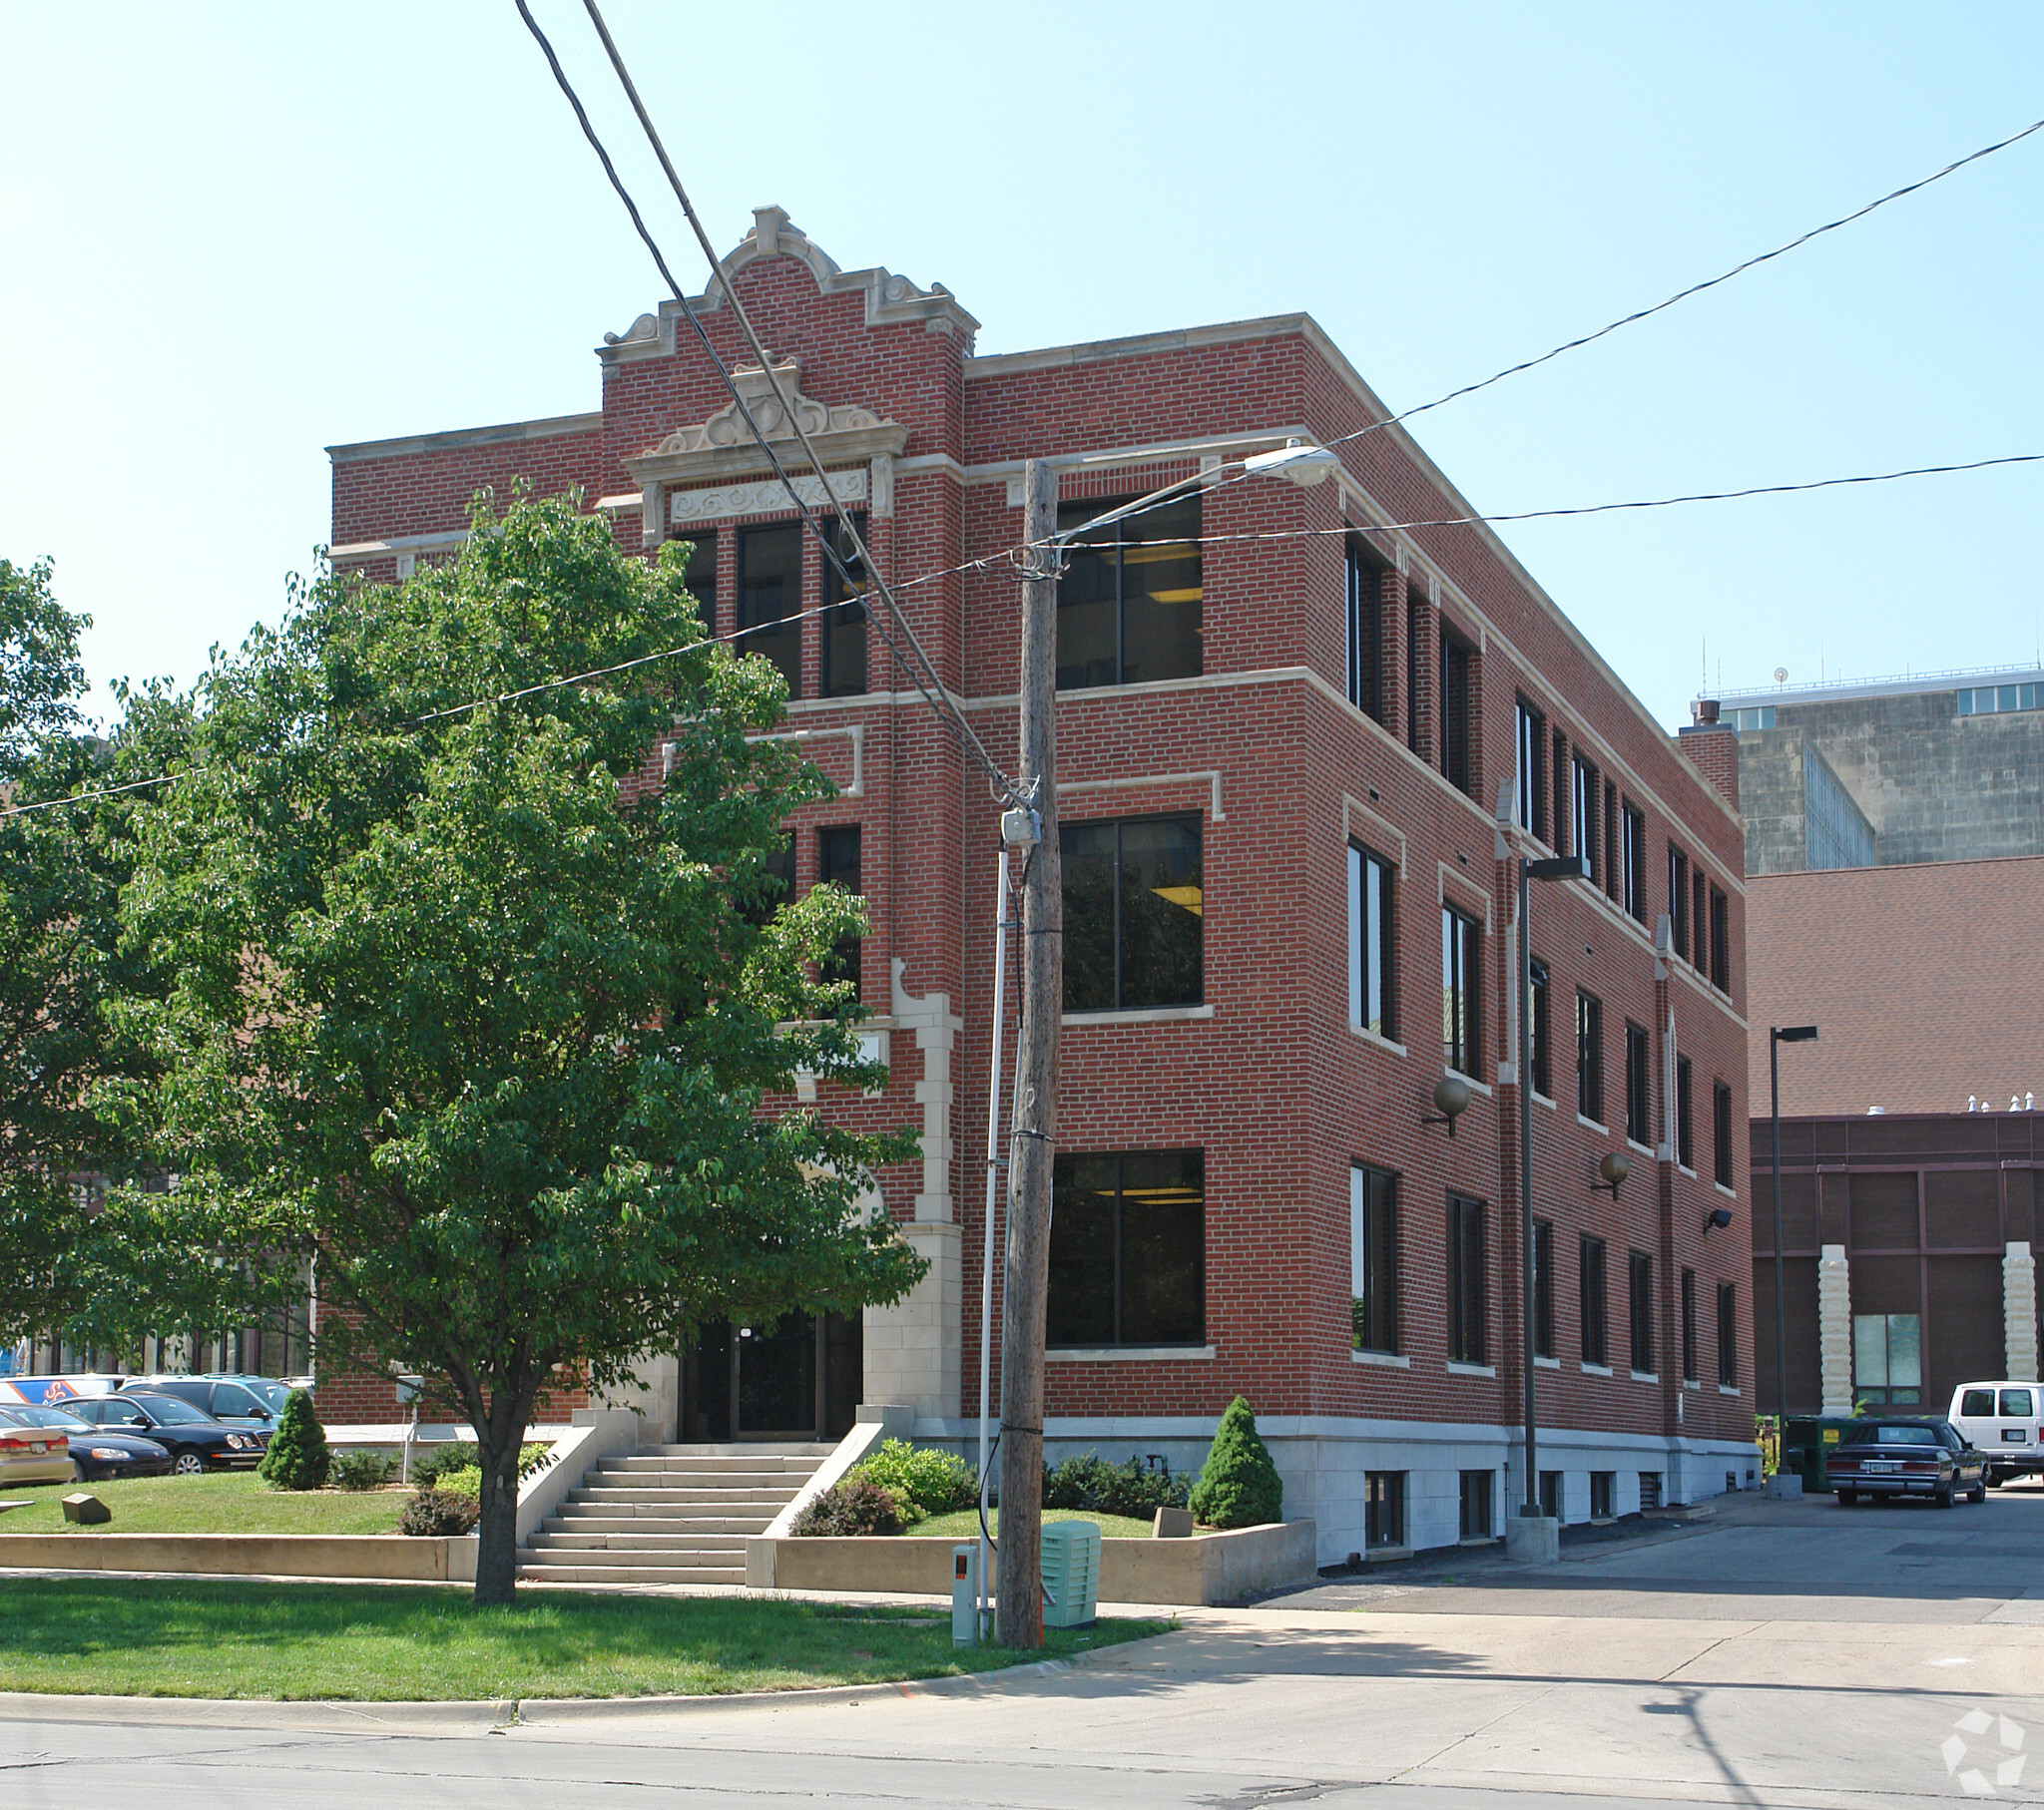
[1020, 1566]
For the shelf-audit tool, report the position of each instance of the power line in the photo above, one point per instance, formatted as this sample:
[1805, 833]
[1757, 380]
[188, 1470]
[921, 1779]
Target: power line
[921, 673]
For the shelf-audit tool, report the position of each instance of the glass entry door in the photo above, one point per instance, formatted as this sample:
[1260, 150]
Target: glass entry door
[795, 1378]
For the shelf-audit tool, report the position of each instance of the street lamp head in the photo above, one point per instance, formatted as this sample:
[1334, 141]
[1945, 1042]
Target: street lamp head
[1716, 1220]
[1303, 465]
[1558, 867]
[1614, 1167]
[1451, 1101]
[1794, 1033]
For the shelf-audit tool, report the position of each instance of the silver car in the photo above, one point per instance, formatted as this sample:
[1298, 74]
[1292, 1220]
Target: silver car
[34, 1454]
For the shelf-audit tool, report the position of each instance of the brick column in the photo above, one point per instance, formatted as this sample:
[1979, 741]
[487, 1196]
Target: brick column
[1418, 649]
[1391, 646]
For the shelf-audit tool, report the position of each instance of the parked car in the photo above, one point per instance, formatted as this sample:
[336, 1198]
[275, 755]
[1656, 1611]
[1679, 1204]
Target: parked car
[196, 1441]
[33, 1391]
[236, 1399]
[2001, 1419]
[34, 1454]
[95, 1453]
[1895, 1458]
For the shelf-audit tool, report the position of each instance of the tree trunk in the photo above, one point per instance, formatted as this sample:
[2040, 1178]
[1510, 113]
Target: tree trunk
[497, 1438]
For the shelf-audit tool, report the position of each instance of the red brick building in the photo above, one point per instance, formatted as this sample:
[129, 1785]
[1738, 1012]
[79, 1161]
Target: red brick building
[1300, 746]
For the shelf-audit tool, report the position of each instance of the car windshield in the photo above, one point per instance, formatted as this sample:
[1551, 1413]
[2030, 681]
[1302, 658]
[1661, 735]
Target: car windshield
[274, 1395]
[172, 1412]
[1889, 1436]
[47, 1417]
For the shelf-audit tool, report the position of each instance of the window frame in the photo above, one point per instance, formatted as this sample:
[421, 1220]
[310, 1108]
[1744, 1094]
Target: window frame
[1383, 1509]
[846, 962]
[1461, 990]
[1120, 1002]
[776, 632]
[1364, 623]
[1723, 1157]
[1544, 1338]
[1476, 1505]
[1593, 1282]
[1117, 1287]
[1639, 1087]
[1586, 803]
[1689, 1324]
[842, 609]
[1678, 900]
[1685, 1114]
[1720, 941]
[1589, 1057]
[1728, 1335]
[1457, 731]
[1540, 1025]
[1632, 860]
[1530, 769]
[1645, 1360]
[1468, 1281]
[1372, 1260]
[1365, 939]
[1075, 519]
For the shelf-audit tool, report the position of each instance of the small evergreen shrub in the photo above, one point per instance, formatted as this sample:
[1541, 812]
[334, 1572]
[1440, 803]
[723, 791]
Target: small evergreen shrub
[1089, 1483]
[360, 1470]
[296, 1457]
[437, 1514]
[435, 1461]
[1238, 1485]
[852, 1506]
[934, 1482]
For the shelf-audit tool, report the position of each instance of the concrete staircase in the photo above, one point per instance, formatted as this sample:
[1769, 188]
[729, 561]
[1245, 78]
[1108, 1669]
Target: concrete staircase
[669, 1515]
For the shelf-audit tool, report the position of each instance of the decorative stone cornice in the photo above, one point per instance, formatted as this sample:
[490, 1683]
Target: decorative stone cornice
[724, 445]
[891, 299]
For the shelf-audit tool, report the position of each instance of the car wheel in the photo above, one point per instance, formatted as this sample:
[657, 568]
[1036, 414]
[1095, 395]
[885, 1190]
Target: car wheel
[1978, 1493]
[188, 1463]
[78, 1471]
[1846, 1498]
[1944, 1496]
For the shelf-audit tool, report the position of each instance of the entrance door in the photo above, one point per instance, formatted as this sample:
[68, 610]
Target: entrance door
[797, 1378]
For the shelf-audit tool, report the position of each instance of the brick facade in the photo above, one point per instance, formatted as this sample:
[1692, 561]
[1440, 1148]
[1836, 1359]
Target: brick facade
[1263, 749]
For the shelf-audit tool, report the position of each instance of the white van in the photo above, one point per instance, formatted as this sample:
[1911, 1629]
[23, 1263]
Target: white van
[2001, 1419]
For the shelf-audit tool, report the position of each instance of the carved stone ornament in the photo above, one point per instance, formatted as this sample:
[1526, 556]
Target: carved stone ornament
[728, 426]
[728, 499]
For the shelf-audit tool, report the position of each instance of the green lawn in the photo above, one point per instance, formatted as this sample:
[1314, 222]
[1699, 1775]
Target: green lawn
[965, 1524]
[131, 1637]
[223, 1501]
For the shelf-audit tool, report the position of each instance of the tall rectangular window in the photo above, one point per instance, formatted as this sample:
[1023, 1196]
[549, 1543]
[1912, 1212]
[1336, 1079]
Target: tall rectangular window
[1632, 862]
[1728, 1335]
[1374, 1258]
[1644, 1359]
[844, 616]
[1888, 1359]
[1596, 1341]
[1370, 942]
[1609, 839]
[1589, 800]
[1684, 1112]
[1721, 1127]
[1590, 1055]
[1127, 1249]
[1543, 1288]
[1540, 1030]
[1383, 1507]
[1366, 630]
[1639, 1110]
[700, 574]
[1458, 763]
[771, 597]
[1688, 1325]
[1678, 900]
[1129, 605]
[1531, 785]
[1720, 941]
[1133, 903]
[1461, 990]
[1700, 921]
[1479, 1488]
[837, 863]
[1468, 1342]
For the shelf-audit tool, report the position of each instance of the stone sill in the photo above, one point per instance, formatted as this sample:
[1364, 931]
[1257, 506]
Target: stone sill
[1546, 1363]
[1471, 1369]
[1595, 1369]
[1646, 1376]
[1126, 1354]
[1151, 1014]
[1726, 1388]
[1390, 1360]
[1362, 1034]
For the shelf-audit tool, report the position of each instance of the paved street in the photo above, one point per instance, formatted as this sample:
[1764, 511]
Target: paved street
[1772, 1654]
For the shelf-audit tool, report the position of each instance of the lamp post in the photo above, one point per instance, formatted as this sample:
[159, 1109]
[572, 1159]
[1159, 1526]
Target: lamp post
[1560, 867]
[1777, 1035]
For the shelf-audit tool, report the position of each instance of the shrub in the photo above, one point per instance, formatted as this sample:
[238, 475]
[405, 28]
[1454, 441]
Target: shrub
[296, 1458]
[853, 1506]
[435, 1461]
[934, 1482]
[360, 1470]
[434, 1512]
[466, 1482]
[1089, 1483]
[1238, 1485]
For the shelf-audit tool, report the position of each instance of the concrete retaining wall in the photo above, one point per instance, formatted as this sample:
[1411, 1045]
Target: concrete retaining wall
[1207, 1569]
[388, 1557]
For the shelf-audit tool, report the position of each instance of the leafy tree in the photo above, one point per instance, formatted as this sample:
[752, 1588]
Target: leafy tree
[81, 1254]
[296, 1457]
[1238, 1485]
[468, 999]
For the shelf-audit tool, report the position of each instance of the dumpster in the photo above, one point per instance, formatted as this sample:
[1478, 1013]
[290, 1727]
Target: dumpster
[1071, 1573]
[1806, 1439]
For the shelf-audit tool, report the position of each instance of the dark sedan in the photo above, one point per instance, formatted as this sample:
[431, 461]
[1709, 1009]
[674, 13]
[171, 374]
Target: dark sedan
[95, 1453]
[1929, 1459]
[196, 1441]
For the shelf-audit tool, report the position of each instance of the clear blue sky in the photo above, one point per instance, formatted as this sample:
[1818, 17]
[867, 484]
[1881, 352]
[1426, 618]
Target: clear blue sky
[236, 234]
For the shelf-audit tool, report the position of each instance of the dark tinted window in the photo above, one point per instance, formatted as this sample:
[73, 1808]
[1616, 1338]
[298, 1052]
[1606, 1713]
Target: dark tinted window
[1373, 1259]
[1134, 904]
[1129, 605]
[1978, 1402]
[1467, 1301]
[771, 597]
[702, 577]
[845, 620]
[1127, 1249]
[1461, 992]
[838, 855]
[2019, 1402]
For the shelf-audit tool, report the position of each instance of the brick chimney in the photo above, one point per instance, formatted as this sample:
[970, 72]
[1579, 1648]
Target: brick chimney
[1712, 748]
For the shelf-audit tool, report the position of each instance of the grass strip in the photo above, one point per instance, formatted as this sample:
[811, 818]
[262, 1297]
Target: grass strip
[400, 1643]
[222, 1502]
[964, 1523]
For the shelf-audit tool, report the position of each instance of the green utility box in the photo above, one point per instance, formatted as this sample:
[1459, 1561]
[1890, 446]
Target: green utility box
[1070, 1574]
[1807, 1440]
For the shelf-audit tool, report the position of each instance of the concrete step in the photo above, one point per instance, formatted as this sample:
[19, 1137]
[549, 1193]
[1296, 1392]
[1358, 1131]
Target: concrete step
[735, 1527]
[677, 1502]
[694, 1547]
[790, 1464]
[542, 1573]
[765, 1448]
